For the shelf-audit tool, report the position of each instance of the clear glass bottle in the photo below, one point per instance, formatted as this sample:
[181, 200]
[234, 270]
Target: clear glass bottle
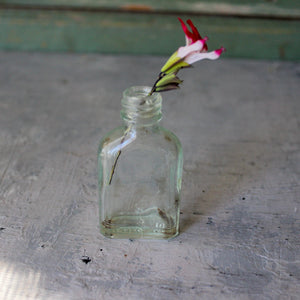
[140, 168]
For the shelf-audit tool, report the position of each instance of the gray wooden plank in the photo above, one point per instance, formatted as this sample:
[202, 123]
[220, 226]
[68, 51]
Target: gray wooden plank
[239, 125]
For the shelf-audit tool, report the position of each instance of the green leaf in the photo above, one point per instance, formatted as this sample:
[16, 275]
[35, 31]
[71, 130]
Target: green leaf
[168, 79]
[167, 87]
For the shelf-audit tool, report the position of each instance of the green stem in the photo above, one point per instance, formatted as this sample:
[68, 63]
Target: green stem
[118, 155]
[112, 172]
[161, 74]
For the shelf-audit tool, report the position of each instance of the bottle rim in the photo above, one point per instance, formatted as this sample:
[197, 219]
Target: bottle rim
[140, 107]
[136, 94]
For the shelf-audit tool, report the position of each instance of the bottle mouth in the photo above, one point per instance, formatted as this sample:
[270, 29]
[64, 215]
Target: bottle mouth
[137, 91]
[140, 107]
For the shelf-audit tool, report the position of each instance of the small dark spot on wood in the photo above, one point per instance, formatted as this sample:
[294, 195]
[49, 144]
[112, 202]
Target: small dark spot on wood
[168, 138]
[243, 198]
[252, 163]
[86, 259]
[125, 255]
[286, 239]
[228, 273]
[192, 287]
[209, 221]
[167, 288]
[131, 240]
[197, 213]
[181, 213]
[282, 51]
[2, 228]
[278, 227]
[203, 191]
[43, 246]
[101, 249]
[291, 275]
[212, 267]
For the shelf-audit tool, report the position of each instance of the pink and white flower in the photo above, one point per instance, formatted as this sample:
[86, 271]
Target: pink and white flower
[194, 50]
[199, 52]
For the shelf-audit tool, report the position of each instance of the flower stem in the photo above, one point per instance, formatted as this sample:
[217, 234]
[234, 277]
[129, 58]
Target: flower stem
[154, 85]
[118, 155]
[112, 172]
[114, 167]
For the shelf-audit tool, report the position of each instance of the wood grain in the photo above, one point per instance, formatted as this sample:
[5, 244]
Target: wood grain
[279, 8]
[248, 29]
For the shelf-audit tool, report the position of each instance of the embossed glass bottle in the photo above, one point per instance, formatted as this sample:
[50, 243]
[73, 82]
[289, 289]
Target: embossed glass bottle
[140, 167]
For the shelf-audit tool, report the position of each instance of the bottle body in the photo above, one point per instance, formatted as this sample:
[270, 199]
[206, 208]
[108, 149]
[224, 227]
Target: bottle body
[140, 168]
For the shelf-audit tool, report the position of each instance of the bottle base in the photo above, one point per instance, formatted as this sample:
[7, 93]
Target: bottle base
[154, 224]
[137, 233]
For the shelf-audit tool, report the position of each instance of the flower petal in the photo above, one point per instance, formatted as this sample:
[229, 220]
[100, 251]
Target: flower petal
[193, 57]
[195, 47]
[196, 34]
[188, 34]
[220, 51]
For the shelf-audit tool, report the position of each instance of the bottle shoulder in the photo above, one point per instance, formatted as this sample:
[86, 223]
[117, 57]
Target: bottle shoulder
[125, 137]
[112, 136]
[169, 136]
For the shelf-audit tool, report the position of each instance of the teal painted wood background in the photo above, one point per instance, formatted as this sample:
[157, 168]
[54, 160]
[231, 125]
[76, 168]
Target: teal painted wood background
[248, 29]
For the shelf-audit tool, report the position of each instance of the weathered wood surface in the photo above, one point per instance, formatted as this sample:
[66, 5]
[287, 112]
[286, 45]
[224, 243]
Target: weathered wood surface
[238, 122]
[251, 29]
[278, 8]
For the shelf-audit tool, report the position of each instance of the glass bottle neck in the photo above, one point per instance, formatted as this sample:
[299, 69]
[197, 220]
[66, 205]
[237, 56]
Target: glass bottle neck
[140, 109]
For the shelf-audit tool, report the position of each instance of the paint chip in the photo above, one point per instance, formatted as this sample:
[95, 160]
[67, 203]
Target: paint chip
[86, 259]
[209, 221]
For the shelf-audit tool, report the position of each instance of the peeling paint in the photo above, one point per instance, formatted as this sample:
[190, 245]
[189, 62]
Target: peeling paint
[136, 7]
